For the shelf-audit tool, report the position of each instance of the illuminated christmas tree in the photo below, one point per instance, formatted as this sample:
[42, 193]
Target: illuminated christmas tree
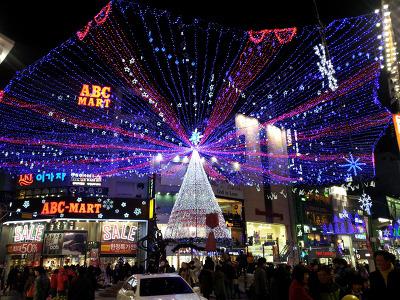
[194, 201]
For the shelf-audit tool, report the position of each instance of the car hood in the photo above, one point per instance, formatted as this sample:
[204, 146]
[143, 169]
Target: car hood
[193, 296]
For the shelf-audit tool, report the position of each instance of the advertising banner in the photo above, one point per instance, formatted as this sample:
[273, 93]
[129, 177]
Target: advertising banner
[24, 248]
[53, 243]
[74, 243]
[119, 238]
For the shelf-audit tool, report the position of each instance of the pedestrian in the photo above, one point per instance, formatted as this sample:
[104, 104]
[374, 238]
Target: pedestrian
[298, 287]
[260, 280]
[53, 283]
[42, 284]
[62, 282]
[236, 290]
[184, 272]
[29, 288]
[206, 280]
[219, 283]
[81, 287]
[326, 289]
[385, 281]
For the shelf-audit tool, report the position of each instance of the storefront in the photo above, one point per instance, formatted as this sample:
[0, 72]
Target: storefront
[75, 230]
[266, 240]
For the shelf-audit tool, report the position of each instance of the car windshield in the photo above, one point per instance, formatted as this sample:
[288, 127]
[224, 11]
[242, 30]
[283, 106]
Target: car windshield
[164, 286]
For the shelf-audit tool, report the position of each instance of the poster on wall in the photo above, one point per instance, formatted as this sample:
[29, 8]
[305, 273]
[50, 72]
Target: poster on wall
[53, 243]
[65, 243]
[119, 238]
[74, 243]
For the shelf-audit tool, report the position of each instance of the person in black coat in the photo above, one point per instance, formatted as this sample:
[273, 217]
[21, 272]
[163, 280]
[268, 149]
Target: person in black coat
[81, 287]
[385, 281]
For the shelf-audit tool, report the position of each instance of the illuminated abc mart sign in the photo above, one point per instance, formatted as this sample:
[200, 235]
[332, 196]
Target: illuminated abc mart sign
[95, 96]
[61, 207]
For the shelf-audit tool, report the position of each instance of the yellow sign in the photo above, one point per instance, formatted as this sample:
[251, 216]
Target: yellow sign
[396, 121]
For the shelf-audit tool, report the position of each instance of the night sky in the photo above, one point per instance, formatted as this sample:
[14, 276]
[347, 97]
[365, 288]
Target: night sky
[38, 26]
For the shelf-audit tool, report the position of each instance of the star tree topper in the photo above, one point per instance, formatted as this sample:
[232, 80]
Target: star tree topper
[196, 137]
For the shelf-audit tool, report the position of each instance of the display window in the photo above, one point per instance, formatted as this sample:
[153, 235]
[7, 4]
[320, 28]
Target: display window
[267, 240]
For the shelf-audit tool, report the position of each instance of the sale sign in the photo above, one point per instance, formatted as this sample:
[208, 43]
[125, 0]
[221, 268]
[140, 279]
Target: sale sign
[24, 248]
[119, 238]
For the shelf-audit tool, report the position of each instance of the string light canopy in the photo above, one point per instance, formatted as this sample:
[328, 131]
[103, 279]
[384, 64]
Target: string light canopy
[137, 85]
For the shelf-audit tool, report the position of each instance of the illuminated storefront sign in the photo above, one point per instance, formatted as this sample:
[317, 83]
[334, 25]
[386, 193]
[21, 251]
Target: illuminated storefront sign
[82, 179]
[119, 238]
[118, 231]
[28, 232]
[345, 223]
[95, 96]
[24, 248]
[60, 207]
[25, 179]
[77, 206]
[28, 179]
[396, 121]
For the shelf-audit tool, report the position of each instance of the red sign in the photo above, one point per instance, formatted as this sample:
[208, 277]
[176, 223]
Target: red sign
[96, 96]
[25, 179]
[325, 253]
[24, 248]
[118, 247]
[61, 207]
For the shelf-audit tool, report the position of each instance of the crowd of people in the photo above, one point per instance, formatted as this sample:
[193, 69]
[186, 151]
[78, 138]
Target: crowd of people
[68, 282]
[218, 278]
[315, 281]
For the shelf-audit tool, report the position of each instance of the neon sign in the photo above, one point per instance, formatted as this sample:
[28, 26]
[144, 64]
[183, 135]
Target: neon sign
[96, 96]
[392, 232]
[83, 179]
[116, 231]
[50, 176]
[61, 207]
[28, 179]
[25, 179]
[27, 232]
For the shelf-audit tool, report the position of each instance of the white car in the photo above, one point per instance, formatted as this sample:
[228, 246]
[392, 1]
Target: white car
[165, 286]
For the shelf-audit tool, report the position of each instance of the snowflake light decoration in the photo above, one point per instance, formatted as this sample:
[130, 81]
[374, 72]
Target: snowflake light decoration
[126, 215]
[325, 66]
[353, 164]
[26, 204]
[100, 215]
[79, 199]
[196, 137]
[108, 204]
[137, 211]
[123, 204]
[365, 203]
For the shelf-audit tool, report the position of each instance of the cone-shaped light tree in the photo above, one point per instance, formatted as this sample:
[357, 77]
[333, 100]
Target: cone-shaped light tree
[194, 201]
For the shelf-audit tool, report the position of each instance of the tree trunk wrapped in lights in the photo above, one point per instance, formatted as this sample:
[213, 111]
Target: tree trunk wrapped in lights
[194, 202]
